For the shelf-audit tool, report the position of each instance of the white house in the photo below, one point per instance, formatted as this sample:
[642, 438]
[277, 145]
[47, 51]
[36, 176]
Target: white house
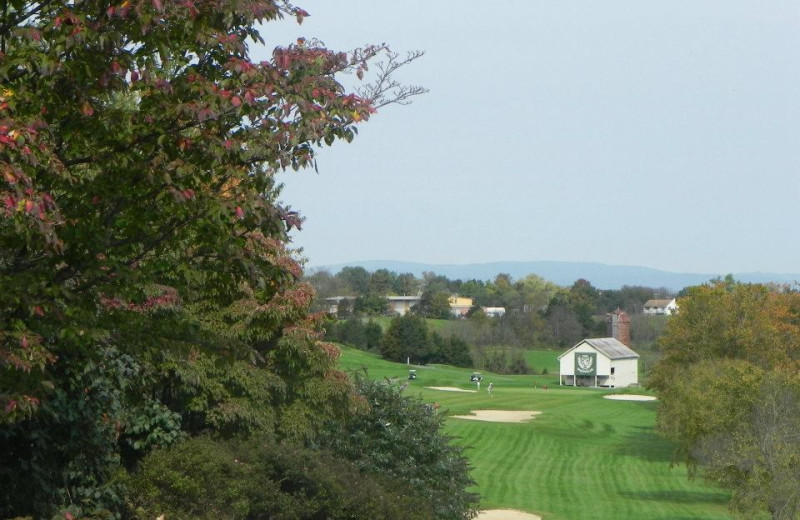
[654, 307]
[599, 362]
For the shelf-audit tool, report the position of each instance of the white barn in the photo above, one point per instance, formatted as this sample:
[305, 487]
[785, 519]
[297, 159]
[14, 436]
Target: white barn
[599, 362]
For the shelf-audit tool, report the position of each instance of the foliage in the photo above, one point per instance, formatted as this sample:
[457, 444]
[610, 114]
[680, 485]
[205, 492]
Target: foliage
[210, 393]
[451, 351]
[501, 361]
[381, 282]
[401, 439]
[146, 282]
[646, 330]
[434, 305]
[258, 479]
[406, 338]
[357, 278]
[723, 356]
[538, 312]
[355, 333]
[370, 305]
[758, 457]
[66, 454]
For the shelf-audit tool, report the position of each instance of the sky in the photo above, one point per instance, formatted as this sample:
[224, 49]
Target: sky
[661, 134]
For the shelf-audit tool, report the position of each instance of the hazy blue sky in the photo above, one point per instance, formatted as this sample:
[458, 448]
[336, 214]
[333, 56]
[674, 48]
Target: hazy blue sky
[655, 133]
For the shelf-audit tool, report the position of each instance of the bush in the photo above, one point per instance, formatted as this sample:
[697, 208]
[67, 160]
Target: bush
[356, 334]
[501, 361]
[209, 479]
[454, 351]
[401, 439]
[518, 365]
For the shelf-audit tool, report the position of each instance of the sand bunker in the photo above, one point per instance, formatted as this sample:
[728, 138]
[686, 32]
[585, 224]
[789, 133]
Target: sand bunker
[629, 397]
[506, 514]
[499, 416]
[450, 389]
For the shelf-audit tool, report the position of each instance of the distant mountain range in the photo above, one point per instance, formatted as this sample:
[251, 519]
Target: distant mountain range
[602, 276]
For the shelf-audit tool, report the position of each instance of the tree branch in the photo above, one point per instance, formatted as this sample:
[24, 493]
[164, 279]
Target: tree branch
[385, 89]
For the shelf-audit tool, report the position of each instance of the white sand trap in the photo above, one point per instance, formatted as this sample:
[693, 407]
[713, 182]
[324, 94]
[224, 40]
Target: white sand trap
[499, 416]
[629, 397]
[451, 389]
[506, 514]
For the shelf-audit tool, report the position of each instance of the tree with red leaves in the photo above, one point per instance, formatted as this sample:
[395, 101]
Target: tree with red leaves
[139, 229]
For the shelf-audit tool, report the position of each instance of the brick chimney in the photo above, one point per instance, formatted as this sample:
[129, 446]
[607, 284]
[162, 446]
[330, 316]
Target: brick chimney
[619, 326]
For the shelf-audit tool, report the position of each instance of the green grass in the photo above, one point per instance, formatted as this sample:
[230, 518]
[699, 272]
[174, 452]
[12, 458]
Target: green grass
[585, 457]
[541, 359]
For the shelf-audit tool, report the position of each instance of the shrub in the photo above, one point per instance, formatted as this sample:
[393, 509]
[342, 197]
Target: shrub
[401, 439]
[207, 479]
[518, 365]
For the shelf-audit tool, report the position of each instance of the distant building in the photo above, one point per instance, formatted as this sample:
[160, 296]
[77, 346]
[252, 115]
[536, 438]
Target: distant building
[400, 305]
[335, 301]
[660, 307]
[494, 312]
[619, 326]
[460, 306]
[599, 362]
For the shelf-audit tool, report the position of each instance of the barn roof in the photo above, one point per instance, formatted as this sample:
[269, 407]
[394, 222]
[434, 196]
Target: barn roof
[610, 347]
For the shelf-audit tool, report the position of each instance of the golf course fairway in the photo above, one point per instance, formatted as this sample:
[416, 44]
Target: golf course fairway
[581, 458]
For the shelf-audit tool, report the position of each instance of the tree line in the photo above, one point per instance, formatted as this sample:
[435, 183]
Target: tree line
[538, 313]
[406, 339]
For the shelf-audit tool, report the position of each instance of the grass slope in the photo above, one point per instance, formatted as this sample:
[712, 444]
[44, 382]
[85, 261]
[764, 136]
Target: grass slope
[585, 457]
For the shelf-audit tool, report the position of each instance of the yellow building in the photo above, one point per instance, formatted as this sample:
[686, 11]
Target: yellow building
[459, 306]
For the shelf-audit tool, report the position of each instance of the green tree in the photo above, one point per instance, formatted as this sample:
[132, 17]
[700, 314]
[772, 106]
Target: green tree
[455, 351]
[475, 289]
[381, 282]
[406, 284]
[724, 355]
[758, 457]
[139, 146]
[370, 305]
[406, 338]
[402, 439]
[373, 334]
[434, 305]
[352, 333]
[583, 298]
[564, 327]
[535, 293]
[357, 278]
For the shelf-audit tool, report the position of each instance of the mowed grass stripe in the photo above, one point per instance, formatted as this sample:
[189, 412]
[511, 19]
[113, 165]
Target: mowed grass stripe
[583, 458]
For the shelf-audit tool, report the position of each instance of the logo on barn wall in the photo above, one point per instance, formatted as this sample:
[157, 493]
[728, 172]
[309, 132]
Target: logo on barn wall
[586, 364]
